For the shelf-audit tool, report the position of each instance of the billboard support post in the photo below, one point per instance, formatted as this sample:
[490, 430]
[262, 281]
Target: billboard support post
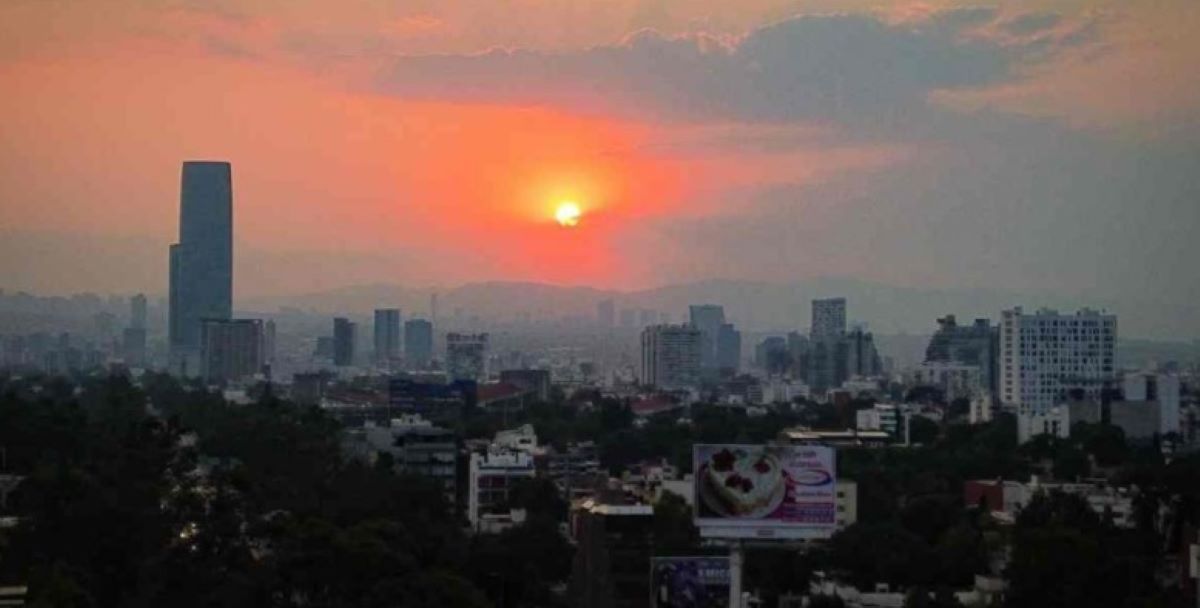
[735, 573]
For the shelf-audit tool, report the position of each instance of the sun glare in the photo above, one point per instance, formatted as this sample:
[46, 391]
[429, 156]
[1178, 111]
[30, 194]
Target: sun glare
[567, 214]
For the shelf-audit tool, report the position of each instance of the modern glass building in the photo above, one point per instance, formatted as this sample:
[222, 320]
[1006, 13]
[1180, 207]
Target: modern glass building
[201, 264]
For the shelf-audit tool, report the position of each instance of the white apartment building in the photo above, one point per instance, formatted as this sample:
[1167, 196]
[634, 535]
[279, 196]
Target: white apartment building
[521, 439]
[492, 475]
[881, 417]
[955, 380]
[1045, 355]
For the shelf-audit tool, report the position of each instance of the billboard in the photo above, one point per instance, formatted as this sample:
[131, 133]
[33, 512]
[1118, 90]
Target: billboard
[689, 582]
[772, 491]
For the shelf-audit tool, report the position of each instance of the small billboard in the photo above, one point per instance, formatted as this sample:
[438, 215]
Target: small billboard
[689, 582]
[764, 491]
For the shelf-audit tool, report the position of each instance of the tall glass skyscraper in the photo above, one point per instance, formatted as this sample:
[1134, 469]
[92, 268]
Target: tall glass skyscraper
[201, 280]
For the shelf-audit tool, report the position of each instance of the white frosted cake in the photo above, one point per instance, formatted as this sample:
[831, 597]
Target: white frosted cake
[743, 481]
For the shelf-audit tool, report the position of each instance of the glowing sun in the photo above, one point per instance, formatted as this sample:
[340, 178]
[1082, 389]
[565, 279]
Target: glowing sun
[567, 214]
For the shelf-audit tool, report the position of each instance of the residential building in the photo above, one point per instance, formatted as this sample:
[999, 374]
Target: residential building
[847, 438]
[387, 335]
[671, 356]
[1055, 422]
[573, 469]
[1046, 356]
[201, 263]
[614, 543]
[417, 446]
[954, 380]
[520, 439]
[880, 417]
[466, 356]
[344, 332]
[1005, 499]
[491, 476]
[231, 350]
[418, 343]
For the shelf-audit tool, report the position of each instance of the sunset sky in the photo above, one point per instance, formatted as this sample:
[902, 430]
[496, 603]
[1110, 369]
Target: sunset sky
[1036, 145]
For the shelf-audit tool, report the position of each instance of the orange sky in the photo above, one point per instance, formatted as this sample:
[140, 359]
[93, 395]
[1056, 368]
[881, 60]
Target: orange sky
[103, 102]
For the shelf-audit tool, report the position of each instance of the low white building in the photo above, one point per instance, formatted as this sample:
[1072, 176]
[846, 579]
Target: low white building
[782, 390]
[522, 438]
[1006, 499]
[955, 380]
[1055, 422]
[983, 409]
[491, 476]
[415, 445]
[1151, 405]
[881, 417]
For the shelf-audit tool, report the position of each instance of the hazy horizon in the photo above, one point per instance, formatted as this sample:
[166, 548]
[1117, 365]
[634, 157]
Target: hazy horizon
[1032, 147]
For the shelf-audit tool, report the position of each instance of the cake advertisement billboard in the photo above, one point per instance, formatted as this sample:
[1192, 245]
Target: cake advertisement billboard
[689, 582]
[764, 491]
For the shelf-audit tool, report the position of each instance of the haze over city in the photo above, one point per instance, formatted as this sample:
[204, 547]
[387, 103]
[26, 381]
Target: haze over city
[599, 303]
[1040, 147]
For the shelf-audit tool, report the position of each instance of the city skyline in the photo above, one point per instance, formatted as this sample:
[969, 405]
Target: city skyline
[999, 159]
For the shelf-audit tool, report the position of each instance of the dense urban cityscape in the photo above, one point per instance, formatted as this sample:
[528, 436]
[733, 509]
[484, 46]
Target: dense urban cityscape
[268, 459]
[599, 304]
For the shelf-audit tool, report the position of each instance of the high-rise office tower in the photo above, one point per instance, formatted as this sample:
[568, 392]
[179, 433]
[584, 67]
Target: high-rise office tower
[269, 341]
[606, 315]
[343, 342]
[137, 312]
[670, 356]
[828, 318]
[708, 318]
[418, 343]
[975, 345]
[861, 357]
[133, 338]
[1045, 356]
[466, 356]
[433, 308]
[729, 348]
[201, 263]
[387, 334]
[231, 349]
